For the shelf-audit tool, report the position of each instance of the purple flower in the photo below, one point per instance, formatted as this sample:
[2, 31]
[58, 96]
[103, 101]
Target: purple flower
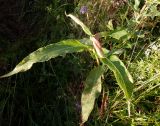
[83, 9]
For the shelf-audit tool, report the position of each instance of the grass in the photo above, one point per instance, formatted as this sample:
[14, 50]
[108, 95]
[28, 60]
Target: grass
[49, 94]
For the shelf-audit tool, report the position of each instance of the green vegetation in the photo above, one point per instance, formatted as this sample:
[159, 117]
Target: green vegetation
[117, 40]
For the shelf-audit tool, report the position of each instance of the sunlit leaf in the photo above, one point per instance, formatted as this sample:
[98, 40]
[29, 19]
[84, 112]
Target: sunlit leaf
[83, 26]
[46, 53]
[86, 41]
[123, 77]
[91, 91]
[137, 3]
[110, 25]
[153, 12]
[117, 34]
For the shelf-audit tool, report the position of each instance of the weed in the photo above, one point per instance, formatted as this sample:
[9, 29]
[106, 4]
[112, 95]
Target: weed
[49, 94]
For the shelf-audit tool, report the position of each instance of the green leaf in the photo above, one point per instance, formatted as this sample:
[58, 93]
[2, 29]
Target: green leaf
[83, 26]
[117, 34]
[122, 75]
[86, 41]
[46, 53]
[91, 91]
[110, 25]
[153, 12]
[136, 5]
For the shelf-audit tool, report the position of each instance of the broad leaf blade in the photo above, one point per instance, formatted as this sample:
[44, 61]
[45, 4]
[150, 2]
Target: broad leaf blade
[83, 26]
[121, 73]
[118, 34]
[46, 53]
[91, 91]
[136, 5]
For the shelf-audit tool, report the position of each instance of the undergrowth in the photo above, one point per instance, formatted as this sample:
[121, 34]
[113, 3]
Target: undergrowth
[50, 93]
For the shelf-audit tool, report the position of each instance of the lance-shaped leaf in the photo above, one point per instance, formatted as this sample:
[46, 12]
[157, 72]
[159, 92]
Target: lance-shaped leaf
[46, 53]
[91, 91]
[83, 26]
[123, 77]
[117, 34]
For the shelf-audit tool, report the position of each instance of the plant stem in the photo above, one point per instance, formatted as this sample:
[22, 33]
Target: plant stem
[129, 108]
